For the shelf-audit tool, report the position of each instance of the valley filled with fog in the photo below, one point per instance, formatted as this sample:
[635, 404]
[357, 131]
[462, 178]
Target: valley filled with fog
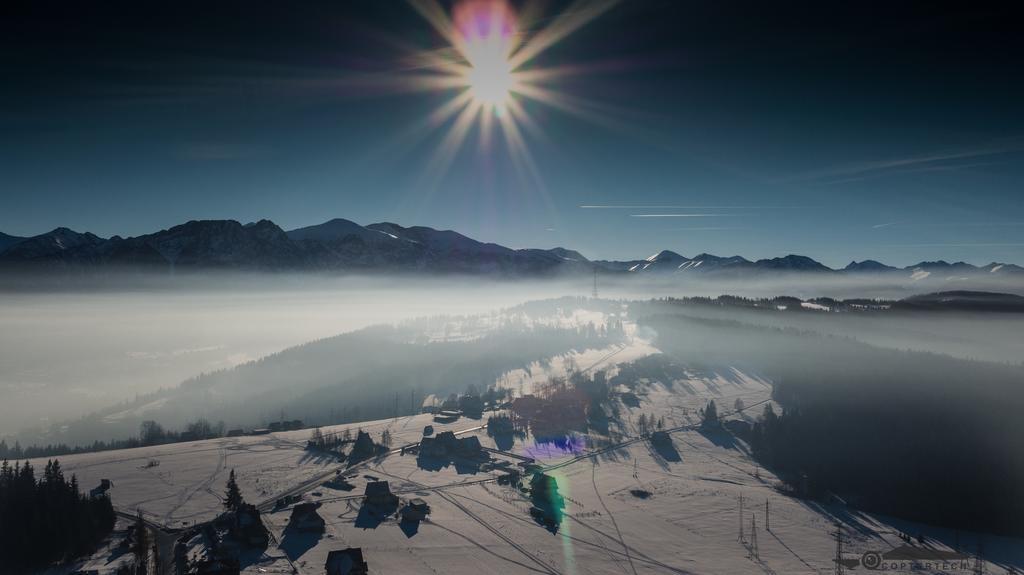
[69, 352]
[65, 353]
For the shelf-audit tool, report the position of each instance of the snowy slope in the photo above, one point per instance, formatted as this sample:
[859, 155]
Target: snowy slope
[688, 524]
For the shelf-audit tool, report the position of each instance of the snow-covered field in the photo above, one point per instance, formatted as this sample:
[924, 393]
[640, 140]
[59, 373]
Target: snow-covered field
[687, 522]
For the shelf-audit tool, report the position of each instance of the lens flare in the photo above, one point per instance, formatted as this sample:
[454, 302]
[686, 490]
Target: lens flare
[487, 29]
[489, 64]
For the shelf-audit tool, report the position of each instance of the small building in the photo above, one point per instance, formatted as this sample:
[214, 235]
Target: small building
[447, 416]
[416, 510]
[379, 493]
[441, 445]
[306, 519]
[661, 438]
[287, 500]
[236, 432]
[510, 478]
[471, 404]
[469, 447]
[259, 431]
[737, 427]
[248, 527]
[346, 562]
[526, 406]
[101, 489]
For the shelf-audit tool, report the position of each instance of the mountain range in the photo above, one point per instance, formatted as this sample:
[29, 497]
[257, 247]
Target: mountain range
[341, 245]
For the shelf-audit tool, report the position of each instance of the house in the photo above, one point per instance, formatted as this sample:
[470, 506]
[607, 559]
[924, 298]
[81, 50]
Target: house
[469, 447]
[346, 562]
[379, 493]
[471, 405]
[101, 489]
[287, 500]
[447, 416]
[737, 427]
[510, 478]
[441, 445]
[248, 527]
[415, 510]
[306, 519]
[661, 438]
[526, 406]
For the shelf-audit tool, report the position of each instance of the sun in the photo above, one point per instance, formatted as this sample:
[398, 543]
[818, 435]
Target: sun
[491, 79]
[490, 65]
[485, 34]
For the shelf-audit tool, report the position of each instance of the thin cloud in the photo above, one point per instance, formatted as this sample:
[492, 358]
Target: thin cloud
[941, 161]
[685, 215]
[710, 229]
[649, 207]
[949, 225]
[967, 245]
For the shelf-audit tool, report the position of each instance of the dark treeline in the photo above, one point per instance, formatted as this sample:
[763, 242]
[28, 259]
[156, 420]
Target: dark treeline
[150, 433]
[47, 520]
[922, 436]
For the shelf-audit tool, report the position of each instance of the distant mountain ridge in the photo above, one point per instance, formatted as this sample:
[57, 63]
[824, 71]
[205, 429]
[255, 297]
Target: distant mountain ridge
[340, 245]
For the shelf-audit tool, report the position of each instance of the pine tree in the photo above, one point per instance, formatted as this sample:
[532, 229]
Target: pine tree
[158, 567]
[141, 546]
[710, 415]
[233, 496]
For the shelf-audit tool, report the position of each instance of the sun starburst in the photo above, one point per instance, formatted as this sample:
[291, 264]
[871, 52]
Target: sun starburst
[488, 66]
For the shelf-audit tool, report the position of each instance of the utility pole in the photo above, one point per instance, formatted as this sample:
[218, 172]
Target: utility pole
[753, 537]
[595, 283]
[767, 521]
[396, 405]
[979, 561]
[742, 539]
[839, 549]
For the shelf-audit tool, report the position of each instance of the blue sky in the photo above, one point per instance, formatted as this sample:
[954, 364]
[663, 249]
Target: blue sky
[892, 133]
